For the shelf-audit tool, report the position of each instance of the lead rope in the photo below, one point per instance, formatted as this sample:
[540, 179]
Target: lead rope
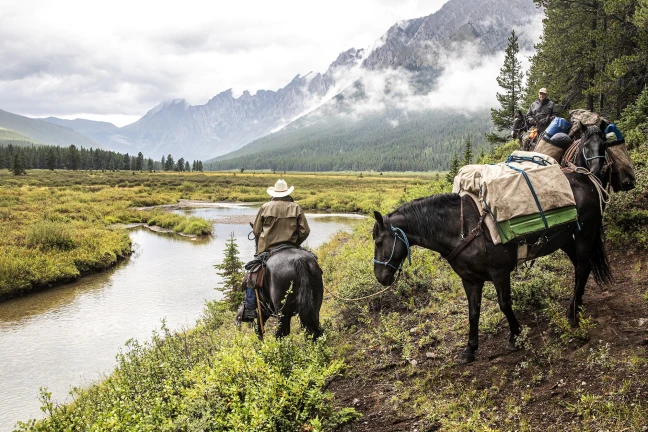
[604, 197]
[337, 297]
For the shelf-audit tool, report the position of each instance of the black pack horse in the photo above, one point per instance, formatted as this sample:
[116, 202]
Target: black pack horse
[292, 285]
[436, 223]
[593, 147]
[519, 126]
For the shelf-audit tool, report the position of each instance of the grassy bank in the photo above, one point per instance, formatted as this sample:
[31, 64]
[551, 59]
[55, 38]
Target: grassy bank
[56, 225]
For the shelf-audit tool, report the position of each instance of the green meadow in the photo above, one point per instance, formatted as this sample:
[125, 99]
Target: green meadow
[58, 225]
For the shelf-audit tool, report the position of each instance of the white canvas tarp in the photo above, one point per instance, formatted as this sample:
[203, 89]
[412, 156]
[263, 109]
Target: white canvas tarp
[505, 192]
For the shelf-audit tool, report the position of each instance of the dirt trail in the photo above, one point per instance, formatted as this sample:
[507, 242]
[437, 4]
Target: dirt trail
[619, 313]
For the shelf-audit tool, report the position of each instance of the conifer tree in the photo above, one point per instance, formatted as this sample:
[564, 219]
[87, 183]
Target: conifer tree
[467, 154]
[17, 165]
[50, 162]
[74, 158]
[231, 270]
[139, 163]
[454, 169]
[170, 163]
[510, 79]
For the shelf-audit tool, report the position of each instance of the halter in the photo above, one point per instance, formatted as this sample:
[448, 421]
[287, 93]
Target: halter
[399, 234]
[587, 160]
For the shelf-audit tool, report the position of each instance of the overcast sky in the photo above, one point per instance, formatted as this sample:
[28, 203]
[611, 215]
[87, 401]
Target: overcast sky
[115, 60]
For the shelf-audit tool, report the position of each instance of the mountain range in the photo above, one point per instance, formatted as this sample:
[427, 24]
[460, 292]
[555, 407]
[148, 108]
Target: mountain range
[412, 52]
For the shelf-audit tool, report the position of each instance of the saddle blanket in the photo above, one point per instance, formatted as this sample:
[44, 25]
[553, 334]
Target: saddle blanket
[527, 194]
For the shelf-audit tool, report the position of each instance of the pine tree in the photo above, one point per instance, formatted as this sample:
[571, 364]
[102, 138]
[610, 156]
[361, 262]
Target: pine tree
[454, 169]
[510, 79]
[149, 165]
[50, 162]
[139, 163]
[231, 270]
[169, 165]
[187, 167]
[74, 158]
[467, 154]
[17, 165]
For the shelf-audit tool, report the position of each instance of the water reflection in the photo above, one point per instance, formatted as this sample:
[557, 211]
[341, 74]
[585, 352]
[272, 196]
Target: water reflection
[68, 336]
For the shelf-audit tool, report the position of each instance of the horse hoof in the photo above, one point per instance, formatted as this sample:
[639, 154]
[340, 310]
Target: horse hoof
[512, 347]
[467, 356]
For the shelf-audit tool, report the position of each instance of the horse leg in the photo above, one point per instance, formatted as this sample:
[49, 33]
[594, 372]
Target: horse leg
[474, 293]
[284, 325]
[579, 254]
[503, 288]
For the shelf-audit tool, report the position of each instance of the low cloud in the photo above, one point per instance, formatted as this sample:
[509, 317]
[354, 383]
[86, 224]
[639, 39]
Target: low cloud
[466, 81]
[119, 59]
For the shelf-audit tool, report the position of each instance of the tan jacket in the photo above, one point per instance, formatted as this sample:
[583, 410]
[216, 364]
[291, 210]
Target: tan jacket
[280, 220]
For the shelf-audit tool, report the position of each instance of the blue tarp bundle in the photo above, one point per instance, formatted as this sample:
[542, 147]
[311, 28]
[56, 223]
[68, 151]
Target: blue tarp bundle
[557, 125]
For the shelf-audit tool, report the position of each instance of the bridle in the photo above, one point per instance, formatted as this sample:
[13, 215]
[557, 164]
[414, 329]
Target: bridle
[570, 156]
[399, 234]
[524, 126]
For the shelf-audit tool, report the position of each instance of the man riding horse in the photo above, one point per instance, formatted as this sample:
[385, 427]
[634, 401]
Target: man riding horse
[280, 221]
[541, 111]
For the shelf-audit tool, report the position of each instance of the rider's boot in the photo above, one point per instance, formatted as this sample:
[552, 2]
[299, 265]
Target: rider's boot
[249, 306]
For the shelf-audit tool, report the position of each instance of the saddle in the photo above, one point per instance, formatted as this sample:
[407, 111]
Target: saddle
[256, 267]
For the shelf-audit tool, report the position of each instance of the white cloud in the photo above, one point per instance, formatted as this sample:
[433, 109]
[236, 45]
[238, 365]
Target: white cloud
[116, 60]
[466, 84]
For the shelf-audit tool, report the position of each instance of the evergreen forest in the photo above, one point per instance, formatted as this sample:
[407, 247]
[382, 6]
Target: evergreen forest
[416, 141]
[20, 158]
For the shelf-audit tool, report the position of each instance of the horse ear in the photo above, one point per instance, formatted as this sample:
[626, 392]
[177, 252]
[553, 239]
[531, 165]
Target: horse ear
[379, 218]
[604, 125]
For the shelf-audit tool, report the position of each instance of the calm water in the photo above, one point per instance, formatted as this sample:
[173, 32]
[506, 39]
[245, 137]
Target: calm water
[68, 336]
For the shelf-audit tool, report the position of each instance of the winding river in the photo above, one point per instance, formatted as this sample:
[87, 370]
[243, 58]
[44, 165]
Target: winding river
[68, 336]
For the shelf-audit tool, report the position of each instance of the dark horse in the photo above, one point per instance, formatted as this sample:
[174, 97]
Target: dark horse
[292, 285]
[593, 146]
[434, 223]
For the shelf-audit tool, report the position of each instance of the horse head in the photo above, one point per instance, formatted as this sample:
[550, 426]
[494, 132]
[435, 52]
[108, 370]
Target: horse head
[519, 125]
[591, 152]
[391, 247]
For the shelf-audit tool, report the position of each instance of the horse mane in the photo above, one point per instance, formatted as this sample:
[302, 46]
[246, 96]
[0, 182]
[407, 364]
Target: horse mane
[423, 215]
[590, 131]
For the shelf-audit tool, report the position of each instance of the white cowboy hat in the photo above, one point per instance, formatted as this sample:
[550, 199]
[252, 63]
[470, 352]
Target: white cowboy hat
[280, 189]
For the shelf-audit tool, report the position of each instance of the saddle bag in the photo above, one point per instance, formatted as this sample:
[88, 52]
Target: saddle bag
[528, 196]
[557, 125]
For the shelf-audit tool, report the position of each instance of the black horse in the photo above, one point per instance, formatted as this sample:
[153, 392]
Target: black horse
[519, 126]
[593, 147]
[292, 285]
[434, 223]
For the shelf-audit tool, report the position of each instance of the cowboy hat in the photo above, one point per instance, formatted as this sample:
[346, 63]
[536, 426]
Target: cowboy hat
[280, 189]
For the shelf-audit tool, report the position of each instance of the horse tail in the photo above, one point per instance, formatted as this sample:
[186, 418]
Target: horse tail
[309, 296]
[599, 260]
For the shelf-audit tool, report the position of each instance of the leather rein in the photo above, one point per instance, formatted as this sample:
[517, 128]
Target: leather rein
[466, 240]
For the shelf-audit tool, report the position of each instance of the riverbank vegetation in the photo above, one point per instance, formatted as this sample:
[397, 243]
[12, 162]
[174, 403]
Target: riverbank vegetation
[58, 225]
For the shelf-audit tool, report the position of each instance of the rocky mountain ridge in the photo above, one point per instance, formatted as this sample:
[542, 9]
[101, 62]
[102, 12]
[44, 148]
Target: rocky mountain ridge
[227, 123]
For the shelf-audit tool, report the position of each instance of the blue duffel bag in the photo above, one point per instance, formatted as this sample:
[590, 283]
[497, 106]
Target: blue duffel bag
[558, 124]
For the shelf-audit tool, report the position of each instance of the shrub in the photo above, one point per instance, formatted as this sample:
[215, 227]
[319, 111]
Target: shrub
[48, 235]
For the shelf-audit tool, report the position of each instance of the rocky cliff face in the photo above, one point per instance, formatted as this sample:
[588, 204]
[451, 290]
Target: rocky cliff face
[417, 43]
[226, 123]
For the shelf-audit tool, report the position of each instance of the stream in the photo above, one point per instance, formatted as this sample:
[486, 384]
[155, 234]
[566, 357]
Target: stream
[69, 335]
